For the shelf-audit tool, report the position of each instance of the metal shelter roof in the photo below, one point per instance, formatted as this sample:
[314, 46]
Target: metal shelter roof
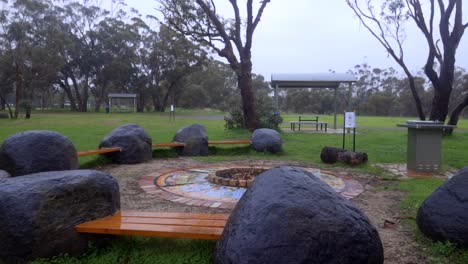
[310, 80]
[122, 95]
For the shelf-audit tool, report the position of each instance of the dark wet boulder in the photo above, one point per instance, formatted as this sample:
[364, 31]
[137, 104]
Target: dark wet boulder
[265, 139]
[331, 155]
[291, 216]
[444, 214]
[37, 151]
[39, 212]
[195, 139]
[135, 143]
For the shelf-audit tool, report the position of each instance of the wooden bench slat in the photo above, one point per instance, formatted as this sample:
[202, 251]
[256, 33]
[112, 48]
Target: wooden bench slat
[153, 230]
[156, 221]
[230, 142]
[97, 151]
[170, 144]
[175, 215]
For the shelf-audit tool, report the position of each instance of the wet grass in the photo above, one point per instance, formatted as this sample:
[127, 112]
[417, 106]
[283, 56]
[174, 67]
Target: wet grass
[417, 191]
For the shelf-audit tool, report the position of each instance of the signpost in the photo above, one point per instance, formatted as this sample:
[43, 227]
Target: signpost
[349, 122]
[172, 113]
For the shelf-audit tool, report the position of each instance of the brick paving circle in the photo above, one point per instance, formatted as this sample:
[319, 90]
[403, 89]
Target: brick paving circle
[190, 186]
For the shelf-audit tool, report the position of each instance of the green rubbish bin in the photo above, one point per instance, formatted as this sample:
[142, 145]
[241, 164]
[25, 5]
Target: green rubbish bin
[424, 145]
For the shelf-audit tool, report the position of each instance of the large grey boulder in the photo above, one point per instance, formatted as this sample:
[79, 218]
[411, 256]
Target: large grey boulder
[291, 216]
[444, 214]
[195, 139]
[135, 143]
[39, 212]
[37, 151]
[265, 139]
[4, 115]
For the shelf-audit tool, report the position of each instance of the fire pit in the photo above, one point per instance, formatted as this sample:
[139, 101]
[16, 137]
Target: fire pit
[235, 177]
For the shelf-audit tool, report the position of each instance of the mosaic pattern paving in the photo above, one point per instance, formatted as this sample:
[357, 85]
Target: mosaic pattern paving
[190, 186]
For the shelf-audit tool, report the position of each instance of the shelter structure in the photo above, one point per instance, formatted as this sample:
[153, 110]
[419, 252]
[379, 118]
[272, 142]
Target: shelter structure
[311, 80]
[122, 102]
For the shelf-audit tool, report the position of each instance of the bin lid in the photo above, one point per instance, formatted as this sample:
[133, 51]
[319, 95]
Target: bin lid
[422, 124]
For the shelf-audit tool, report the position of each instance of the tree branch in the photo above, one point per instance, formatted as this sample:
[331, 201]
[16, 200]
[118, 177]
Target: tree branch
[251, 26]
[237, 39]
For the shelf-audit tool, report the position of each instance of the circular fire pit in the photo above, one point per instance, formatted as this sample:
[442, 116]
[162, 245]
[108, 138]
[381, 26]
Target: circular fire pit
[235, 177]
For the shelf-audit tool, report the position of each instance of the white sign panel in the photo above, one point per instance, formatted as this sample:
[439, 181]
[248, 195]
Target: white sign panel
[350, 120]
[172, 108]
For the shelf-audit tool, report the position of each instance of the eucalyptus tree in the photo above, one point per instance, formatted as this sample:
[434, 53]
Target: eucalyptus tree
[79, 50]
[167, 58]
[231, 38]
[26, 30]
[117, 43]
[387, 26]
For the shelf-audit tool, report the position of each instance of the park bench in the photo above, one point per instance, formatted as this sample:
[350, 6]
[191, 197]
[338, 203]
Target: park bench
[174, 225]
[312, 121]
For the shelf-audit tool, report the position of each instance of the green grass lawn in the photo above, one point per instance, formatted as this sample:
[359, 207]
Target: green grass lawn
[378, 136]
[381, 144]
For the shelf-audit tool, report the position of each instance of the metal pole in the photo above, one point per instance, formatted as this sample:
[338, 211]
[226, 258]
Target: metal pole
[350, 95]
[336, 95]
[344, 133]
[110, 104]
[354, 139]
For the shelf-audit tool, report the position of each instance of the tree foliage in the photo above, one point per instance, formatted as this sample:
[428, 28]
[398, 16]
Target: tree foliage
[443, 33]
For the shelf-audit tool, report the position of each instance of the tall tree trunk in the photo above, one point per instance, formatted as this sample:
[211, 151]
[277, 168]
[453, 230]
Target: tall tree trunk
[7, 105]
[141, 103]
[244, 80]
[69, 94]
[455, 115]
[440, 104]
[76, 88]
[417, 100]
[19, 89]
[2, 104]
[84, 100]
[98, 103]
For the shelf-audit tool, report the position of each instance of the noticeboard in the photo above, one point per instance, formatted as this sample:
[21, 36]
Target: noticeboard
[350, 120]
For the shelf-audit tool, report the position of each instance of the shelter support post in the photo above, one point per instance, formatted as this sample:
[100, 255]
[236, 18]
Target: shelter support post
[110, 104]
[276, 99]
[334, 107]
[350, 96]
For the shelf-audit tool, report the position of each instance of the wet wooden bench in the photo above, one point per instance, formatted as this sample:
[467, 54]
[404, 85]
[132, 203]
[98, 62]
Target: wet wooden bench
[175, 225]
[221, 142]
[162, 145]
[97, 151]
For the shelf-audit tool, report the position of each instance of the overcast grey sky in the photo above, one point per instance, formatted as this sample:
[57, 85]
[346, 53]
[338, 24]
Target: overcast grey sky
[307, 36]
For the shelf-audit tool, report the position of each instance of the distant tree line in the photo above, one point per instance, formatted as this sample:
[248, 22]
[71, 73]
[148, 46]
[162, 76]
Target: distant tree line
[379, 92]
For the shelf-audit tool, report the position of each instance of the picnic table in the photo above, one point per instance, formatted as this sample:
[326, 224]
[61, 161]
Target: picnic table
[311, 121]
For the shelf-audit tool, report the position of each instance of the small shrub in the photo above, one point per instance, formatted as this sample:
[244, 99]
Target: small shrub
[267, 115]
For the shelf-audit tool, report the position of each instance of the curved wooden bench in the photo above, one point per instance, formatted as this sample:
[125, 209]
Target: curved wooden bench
[221, 142]
[175, 225]
[161, 145]
[97, 151]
